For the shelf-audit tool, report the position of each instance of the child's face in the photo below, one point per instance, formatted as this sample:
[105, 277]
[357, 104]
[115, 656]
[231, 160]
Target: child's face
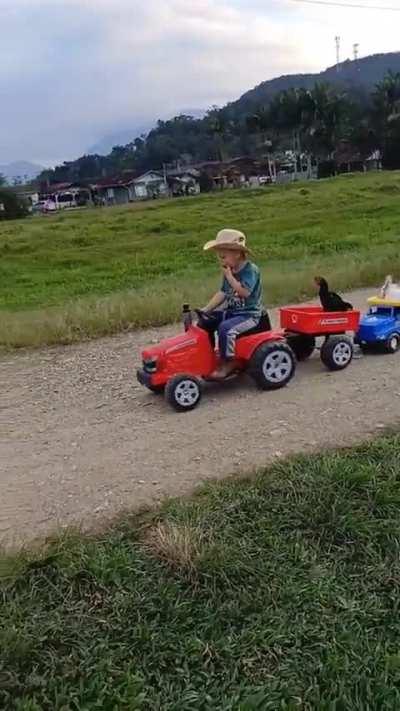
[229, 258]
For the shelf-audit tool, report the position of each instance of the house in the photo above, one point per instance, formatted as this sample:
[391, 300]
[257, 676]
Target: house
[150, 185]
[66, 195]
[30, 195]
[374, 161]
[129, 187]
[215, 171]
[183, 182]
[238, 172]
[347, 159]
[114, 191]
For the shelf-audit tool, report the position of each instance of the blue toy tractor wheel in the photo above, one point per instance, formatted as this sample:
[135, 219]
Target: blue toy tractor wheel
[392, 344]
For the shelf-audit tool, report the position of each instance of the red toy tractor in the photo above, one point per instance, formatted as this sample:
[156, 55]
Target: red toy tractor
[179, 365]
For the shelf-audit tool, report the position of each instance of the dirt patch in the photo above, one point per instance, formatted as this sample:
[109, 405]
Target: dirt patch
[80, 440]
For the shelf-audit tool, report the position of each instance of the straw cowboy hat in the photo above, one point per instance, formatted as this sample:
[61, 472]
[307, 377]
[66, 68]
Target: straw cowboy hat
[228, 239]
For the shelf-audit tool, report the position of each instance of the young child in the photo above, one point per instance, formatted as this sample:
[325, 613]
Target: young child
[237, 307]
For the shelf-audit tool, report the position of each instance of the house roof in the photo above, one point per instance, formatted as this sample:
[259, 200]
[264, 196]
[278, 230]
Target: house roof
[54, 187]
[59, 187]
[181, 172]
[124, 180]
[115, 182]
[149, 172]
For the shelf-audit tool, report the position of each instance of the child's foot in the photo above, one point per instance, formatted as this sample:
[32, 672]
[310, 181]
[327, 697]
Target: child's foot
[224, 371]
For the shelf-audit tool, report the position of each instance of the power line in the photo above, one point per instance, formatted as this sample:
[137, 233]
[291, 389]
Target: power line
[357, 6]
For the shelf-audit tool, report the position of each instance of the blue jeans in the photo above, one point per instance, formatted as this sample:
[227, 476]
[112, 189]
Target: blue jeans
[229, 327]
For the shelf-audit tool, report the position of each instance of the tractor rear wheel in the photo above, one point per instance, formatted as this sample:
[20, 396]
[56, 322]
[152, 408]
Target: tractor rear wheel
[272, 365]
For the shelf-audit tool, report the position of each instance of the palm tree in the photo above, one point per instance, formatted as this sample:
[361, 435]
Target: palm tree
[259, 123]
[385, 118]
[387, 96]
[220, 128]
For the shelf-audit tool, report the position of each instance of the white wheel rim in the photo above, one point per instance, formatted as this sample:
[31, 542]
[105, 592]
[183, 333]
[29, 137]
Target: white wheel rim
[394, 343]
[187, 392]
[342, 353]
[277, 366]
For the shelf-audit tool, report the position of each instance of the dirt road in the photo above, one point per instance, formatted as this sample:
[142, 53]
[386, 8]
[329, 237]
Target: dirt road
[80, 441]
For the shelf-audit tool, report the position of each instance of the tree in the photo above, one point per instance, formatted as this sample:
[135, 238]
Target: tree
[3, 180]
[259, 124]
[385, 118]
[221, 129]
[313, 119]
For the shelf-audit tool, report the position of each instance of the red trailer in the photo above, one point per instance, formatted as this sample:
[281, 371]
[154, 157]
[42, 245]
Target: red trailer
[303, 324]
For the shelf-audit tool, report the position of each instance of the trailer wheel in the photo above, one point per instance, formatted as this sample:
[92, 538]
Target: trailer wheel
[303, 346]
[337, 352]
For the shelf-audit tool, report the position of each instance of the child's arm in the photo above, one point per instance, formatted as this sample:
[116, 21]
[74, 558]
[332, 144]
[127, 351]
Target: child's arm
[238, 288]
[216, 301]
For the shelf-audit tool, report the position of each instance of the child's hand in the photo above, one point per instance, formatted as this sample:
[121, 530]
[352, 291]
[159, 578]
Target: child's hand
[227, 272]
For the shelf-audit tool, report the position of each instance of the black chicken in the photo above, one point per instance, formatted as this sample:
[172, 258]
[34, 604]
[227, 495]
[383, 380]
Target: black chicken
[329, 300]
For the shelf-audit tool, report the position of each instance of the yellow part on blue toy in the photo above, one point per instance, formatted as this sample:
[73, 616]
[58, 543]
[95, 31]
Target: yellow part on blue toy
[378, 301]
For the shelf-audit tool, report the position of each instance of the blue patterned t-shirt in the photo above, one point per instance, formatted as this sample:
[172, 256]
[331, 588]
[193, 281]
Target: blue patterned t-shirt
[250, 278]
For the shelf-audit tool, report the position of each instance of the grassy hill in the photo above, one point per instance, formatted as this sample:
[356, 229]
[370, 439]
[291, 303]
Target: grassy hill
[82, 274]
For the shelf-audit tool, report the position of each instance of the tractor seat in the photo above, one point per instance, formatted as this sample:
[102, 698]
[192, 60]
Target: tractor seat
[263, 325]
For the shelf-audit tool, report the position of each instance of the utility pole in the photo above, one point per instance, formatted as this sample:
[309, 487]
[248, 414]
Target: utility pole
[355, 51]
[337, 42]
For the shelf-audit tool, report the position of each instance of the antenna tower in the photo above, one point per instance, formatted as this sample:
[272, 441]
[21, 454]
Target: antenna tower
[337, 42]
[355, 51]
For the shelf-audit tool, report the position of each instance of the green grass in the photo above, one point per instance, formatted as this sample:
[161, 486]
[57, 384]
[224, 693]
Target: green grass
[279, 592]
[78, 275]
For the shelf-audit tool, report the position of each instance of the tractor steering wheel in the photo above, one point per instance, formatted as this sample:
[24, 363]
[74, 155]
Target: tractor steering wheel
[202, 315]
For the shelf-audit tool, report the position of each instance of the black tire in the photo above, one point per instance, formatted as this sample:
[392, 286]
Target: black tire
[392, 344]
[337, 352]
[303, 346]
[272, 365]
[183, 392]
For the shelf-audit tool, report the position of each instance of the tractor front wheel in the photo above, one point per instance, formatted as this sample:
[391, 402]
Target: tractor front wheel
[183, 392]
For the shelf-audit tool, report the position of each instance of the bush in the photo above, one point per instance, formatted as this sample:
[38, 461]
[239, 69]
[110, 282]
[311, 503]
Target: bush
[11, 206]
[206, 183]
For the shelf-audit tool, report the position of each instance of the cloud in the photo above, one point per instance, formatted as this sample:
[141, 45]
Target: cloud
[73, 70]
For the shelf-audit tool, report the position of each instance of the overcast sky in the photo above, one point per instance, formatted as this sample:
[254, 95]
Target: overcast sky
[72, 71]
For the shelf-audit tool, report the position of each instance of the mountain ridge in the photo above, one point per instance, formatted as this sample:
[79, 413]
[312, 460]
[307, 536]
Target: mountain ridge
[20, 169]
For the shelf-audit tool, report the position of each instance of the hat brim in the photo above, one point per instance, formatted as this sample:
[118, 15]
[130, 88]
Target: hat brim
[213, 245]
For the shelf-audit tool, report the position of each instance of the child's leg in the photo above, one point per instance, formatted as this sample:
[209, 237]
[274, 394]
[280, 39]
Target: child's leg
[228, 332]
[211, 324]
